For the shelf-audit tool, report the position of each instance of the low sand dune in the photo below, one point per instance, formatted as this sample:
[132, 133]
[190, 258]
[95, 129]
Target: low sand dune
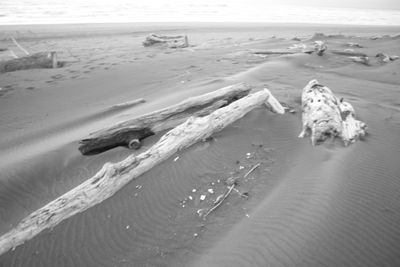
[303, 206]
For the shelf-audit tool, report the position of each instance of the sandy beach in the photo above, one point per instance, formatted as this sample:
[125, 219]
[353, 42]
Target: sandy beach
[327, 205]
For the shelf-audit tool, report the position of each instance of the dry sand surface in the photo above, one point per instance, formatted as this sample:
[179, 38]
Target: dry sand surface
[327, 205]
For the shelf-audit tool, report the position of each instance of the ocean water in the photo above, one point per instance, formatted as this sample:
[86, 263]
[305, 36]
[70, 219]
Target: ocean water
[95, 11]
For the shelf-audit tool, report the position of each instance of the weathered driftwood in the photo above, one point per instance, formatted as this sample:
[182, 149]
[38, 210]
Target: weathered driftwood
[38, 60]
[385, 58]
[178, 41]
[129, 133]
[294, 50]
[320, 47]
[301, 48]
[394, 57]
[349, 53]
[361, 60]
[113, 176]
[320, 35]
[351, 44]
[326, 116]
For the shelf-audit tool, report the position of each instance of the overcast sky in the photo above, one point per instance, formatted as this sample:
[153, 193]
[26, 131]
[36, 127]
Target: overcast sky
[379, 4]
[374, 4]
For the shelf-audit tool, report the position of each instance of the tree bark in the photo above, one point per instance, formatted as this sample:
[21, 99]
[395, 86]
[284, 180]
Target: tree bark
[326, 116]
[113, 176]
[38, 60]
[141, 127]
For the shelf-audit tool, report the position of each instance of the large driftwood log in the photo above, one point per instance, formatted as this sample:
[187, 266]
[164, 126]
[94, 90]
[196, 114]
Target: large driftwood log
[38, 60]
[326, 116]
[178, 41]
[130, 133]
[112, 177]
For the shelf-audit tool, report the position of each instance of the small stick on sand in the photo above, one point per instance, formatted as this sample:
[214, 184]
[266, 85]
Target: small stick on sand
[127, 104]
[219, 202]
[19, 46]
[252, 169]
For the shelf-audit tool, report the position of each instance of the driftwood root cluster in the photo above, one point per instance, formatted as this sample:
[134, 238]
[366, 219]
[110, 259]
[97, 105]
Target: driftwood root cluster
[325, 116]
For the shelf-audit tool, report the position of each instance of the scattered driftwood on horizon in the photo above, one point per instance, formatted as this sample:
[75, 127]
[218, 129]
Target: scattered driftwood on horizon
[177, 41]
[385, 58]
[361, 60]
[319, 35]
[130, 133]
[38, 60]
[283, 52]
[348, 53]
[326, 116]
[113, 176]
[351, 44]
[274, 52]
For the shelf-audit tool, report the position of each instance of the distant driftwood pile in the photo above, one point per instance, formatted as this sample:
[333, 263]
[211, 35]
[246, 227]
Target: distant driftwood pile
[177, 41]
[29, 61]
[113, 176]
[326, 116]
[38, 60]
[319, 47]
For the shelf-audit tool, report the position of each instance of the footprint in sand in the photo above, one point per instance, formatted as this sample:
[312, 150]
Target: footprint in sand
[5, 89]
[57, 77]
